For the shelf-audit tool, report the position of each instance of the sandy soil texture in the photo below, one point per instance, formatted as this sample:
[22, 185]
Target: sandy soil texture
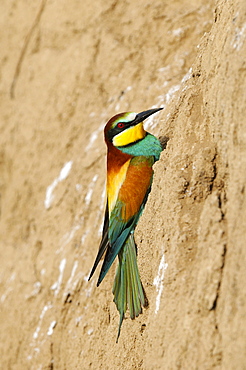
[66, 67]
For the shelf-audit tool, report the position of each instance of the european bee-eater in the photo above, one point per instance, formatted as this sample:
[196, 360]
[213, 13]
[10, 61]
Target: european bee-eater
[131, 154]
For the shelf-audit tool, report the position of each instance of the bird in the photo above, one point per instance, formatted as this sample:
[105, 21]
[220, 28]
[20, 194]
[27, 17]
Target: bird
[131, 153]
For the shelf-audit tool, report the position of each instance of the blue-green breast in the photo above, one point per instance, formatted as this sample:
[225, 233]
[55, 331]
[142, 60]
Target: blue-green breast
[149, 146]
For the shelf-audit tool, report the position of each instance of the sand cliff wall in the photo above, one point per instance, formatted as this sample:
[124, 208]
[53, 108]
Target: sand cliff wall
[65, 69]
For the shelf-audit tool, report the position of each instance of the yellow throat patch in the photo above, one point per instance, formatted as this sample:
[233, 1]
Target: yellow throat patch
[130, 135]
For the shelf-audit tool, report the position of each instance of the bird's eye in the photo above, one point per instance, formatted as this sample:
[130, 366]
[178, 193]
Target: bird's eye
[120, 125]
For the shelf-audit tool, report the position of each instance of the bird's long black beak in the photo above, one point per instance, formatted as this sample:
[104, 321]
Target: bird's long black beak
[140, 117]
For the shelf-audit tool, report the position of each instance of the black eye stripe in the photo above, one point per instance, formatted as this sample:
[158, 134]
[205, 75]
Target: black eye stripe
[118, 129]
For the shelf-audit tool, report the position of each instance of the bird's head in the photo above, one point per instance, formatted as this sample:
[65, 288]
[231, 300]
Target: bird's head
[127, 128]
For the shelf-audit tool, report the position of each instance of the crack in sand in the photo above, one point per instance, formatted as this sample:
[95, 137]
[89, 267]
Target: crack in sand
[25, 47]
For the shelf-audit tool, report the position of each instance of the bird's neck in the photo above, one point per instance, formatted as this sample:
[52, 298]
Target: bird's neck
[116, 158]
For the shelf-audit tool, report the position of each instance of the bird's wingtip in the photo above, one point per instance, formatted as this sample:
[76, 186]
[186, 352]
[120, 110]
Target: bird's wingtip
[120, 323]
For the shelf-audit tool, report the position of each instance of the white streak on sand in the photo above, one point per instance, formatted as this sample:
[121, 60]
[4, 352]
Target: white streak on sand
[51, 327]
[239, 37]
[158, 282]
[9, 287]
[94, 137]
[69, 284]
[187, 76]
[68, 237]
[89, 289]
[41, 317]
[84, 236]
[171, 92]
[90, 190]
[56, 286]
[163, 100]
[62, 176]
